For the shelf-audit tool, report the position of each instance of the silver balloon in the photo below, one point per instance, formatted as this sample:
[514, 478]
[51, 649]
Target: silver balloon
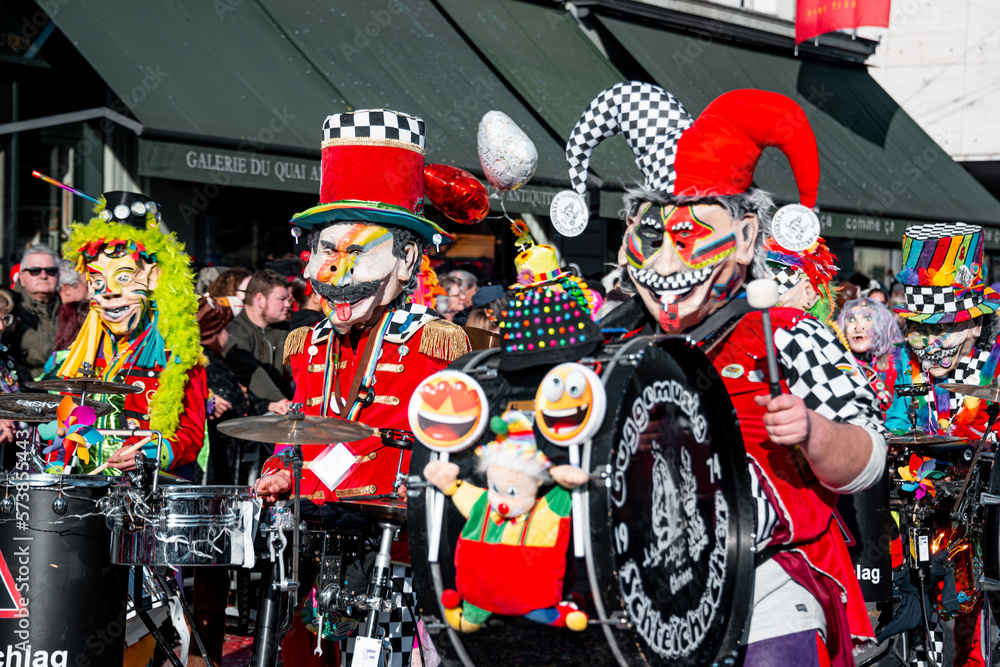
[507, 155]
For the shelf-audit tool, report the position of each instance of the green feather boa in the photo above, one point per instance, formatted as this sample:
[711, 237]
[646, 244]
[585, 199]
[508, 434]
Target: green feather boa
[173, 298]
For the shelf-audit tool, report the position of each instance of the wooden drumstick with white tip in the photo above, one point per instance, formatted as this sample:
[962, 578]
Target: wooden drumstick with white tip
[131, 450]
[762, 295]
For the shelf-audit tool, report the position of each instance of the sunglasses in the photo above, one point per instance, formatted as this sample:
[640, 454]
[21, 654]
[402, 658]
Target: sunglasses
[7, 320]
[51, 271]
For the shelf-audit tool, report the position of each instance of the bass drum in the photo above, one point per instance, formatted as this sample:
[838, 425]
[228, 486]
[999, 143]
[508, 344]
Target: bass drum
[667, 576]
[990, 541]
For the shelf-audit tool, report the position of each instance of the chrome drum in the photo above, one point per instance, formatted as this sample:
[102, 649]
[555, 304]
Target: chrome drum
[183, 526]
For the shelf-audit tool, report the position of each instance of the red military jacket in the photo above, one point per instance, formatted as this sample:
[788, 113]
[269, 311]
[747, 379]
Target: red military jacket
[410, 352]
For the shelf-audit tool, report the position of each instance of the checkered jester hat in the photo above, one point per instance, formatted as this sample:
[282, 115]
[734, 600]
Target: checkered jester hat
[650, 119]
[942, 274]
[715, 155]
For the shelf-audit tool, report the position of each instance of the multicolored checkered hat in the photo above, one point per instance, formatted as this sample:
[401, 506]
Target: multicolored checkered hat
[942, 274]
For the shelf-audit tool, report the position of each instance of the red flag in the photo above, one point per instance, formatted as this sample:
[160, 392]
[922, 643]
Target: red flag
[817, 17]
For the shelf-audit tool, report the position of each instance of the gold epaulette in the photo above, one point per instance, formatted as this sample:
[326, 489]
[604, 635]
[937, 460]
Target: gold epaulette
[444, 340]
[295, 343]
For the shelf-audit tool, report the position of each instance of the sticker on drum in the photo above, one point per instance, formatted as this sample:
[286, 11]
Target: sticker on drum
[448, 411]
[570, 404]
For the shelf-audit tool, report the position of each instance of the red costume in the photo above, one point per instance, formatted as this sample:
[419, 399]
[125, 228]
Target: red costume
[811, 549]
[405, 360]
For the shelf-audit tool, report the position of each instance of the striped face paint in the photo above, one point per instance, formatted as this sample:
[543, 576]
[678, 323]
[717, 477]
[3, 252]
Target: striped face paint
[352, 267]
[120, 288]
[696, 242]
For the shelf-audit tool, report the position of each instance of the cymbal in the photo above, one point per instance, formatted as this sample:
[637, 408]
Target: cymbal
[989, 392]
[81, 385]
[297, 429]
[26, 407]
[394, 510]
[924, 439]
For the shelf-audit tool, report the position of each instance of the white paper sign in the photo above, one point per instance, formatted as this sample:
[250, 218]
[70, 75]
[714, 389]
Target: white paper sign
[332, 465]
[367, 652]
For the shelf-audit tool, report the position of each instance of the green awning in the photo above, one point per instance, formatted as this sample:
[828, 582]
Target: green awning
[260, 76]
[551, 63]
[875, 160]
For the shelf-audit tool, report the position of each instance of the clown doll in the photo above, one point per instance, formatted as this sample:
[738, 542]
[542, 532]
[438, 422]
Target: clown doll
[511, 556]
[692, 233]
[141, 330]
[871, 333]
[367, 356]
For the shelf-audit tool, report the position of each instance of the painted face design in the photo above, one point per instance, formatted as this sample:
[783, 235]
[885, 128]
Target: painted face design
[686, 261]
[859, 325]
[352, 267]
[570, 404]
[509, 492]
[120, 288]
[448, 411]
[940, 346]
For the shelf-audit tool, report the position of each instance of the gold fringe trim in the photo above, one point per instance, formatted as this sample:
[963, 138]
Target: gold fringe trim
[295, 343]
[369, 141]
[443, 340]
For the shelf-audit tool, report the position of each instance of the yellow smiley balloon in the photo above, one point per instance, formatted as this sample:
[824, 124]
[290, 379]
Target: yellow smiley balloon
[570, 404]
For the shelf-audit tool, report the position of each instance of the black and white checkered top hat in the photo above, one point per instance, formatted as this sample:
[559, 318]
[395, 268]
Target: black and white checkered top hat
[650, 119]
[378, 125]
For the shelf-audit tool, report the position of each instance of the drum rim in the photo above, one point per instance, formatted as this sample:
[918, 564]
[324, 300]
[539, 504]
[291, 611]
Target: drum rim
[41, 480]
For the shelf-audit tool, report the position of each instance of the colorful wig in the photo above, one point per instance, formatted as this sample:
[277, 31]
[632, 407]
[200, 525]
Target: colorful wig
[885, 331]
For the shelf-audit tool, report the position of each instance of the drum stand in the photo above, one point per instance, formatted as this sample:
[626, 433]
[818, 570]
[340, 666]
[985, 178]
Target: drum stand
[142, 611]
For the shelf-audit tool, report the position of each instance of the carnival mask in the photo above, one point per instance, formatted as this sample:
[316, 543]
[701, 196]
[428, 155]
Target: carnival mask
[121, 282]
[686, 261]
[352, 267]
[859, 327]
[801, 295]
[940, 346]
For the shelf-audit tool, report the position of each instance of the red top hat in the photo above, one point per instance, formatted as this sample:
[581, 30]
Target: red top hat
[373, 171]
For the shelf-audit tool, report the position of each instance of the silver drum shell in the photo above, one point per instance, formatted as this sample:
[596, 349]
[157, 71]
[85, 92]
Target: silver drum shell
[182, 526]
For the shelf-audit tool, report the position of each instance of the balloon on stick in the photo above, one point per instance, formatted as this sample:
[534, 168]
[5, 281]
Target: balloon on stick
[448, 412]
[507, 155]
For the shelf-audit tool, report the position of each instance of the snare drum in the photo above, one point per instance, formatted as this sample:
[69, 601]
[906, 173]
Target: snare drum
[60, 594]
[668, 562]
[182, 526]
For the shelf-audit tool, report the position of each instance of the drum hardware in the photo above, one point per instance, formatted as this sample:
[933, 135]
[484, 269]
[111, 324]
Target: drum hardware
[912, 391]
[919, 438]
[142, 611]
[992, 411]
[989, 499]
[989, 584]
[380, 584]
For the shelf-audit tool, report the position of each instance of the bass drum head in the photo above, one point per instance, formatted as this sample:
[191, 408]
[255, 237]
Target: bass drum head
[678, 513]
[668, 572]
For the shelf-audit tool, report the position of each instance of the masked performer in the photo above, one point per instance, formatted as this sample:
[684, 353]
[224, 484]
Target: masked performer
[141, 330]
[871, 332]
[950, 330]
[365, 359]
[692, 233]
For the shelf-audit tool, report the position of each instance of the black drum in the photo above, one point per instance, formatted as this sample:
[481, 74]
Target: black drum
[60, 595]
[667, 577]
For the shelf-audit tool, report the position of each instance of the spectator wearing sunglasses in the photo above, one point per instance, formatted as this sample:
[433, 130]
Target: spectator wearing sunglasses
[36, 303]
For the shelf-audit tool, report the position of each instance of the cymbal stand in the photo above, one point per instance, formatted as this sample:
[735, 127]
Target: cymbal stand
[992, 411]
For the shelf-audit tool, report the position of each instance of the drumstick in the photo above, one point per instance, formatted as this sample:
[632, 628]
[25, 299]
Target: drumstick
[762, 294]
[131, 450]
[577, 499]
[437, 518]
